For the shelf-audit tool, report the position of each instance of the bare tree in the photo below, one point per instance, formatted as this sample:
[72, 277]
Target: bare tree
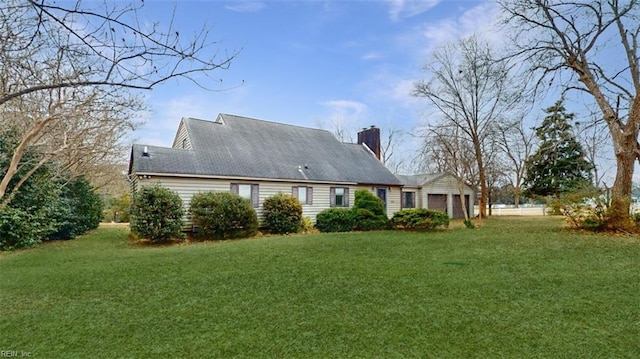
[578, 38]
[447, 149]
[389, 147]
[472, 91]
[66, 72]
[496, 168]
[338, 127]
[594, 137]
[517, 144]
[77, 128]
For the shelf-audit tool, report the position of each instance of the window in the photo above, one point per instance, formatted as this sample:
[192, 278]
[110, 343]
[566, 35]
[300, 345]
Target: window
[408, 200]
[339, 197]
[248, 191]
[303, 194]
[381, 192]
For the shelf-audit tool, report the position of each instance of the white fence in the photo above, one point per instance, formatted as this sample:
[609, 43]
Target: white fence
[511, 211]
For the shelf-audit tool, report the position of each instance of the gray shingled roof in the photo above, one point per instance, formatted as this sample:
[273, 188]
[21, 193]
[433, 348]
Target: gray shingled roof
[243, 147]
[419, 180]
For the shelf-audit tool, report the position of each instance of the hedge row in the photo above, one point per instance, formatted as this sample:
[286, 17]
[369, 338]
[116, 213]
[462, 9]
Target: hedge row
[157, 214]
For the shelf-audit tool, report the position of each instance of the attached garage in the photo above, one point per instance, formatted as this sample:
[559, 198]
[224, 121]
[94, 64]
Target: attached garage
[439, 191]
[458, 213]
[437, 202]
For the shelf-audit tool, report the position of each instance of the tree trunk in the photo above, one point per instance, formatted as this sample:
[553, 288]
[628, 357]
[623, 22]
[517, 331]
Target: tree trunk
[482, 204]
[618, 213]
[625, 144]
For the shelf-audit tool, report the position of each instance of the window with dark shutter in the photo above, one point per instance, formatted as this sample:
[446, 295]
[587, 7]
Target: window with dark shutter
[247, 191]
[255, 195]
[303, 194]
[332, 197]
[339, 196]
[408, 199]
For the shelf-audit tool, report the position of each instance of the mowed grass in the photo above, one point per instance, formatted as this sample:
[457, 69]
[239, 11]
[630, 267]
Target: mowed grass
[514, 288]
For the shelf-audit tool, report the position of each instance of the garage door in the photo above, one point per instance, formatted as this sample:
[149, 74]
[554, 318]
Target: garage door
[457, 206]
[437, 202]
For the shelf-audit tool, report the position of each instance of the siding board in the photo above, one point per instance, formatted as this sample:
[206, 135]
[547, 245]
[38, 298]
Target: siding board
[187, 187]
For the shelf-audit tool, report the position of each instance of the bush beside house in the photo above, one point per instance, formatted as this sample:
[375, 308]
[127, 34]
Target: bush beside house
[282, 214]
[419, 219]
[156, 214]
[223, 215]
[367, 214]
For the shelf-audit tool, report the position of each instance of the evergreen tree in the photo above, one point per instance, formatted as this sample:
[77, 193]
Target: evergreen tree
[559, 166]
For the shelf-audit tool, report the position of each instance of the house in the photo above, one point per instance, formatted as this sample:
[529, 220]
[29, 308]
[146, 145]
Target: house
[437, 191]
[257, 159]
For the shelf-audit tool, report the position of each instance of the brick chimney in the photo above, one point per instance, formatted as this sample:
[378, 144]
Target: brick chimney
[370, 137]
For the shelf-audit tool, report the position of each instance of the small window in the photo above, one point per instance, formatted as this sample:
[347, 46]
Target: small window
[339, 197]
[408, 200]
[248, 191]
[244, 190]
[303, 194]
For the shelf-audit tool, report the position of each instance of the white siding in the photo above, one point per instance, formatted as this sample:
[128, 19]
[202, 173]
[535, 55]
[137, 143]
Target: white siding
[445, 185]
[187, 187]
[182, 138]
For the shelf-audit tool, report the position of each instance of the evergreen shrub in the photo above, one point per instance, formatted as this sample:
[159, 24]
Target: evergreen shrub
[335, 220]
[369, 213]
[79, 209]
[223, 215]
[282, 214]
[156, 214]
[419, 219]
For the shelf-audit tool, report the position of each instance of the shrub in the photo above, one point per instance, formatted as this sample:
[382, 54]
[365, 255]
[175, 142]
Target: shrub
[307, 225]
[29, 216]
[419, 219]
[282, 214]
[368, 211]
[367, 200]
[19, 228]
[223, 215]
[156, 214]
[79, 209]
[335, 220]
[365, 220]
[583, 209]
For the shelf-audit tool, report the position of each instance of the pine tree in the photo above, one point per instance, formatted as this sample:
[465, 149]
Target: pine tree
[559, 166]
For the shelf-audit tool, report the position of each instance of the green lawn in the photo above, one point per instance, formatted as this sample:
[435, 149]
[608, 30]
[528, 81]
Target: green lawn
[513, 288]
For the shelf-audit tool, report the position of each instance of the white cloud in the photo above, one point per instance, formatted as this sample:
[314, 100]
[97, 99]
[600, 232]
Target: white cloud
[250, 6]
[343, 115]
[409, 8]
[480, 20]
[372, 56]
[346, 109]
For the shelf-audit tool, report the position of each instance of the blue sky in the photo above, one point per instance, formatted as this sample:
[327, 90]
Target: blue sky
[313, 63]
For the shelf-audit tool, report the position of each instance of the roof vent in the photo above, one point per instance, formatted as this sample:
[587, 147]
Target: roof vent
[145, 152]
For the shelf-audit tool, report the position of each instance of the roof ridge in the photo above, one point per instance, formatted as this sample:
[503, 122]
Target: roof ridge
[273, 122]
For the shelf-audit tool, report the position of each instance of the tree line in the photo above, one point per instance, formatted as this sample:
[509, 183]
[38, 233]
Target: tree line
[482, 95]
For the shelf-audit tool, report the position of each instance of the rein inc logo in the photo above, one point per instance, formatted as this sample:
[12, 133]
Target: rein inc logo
[14, 354]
